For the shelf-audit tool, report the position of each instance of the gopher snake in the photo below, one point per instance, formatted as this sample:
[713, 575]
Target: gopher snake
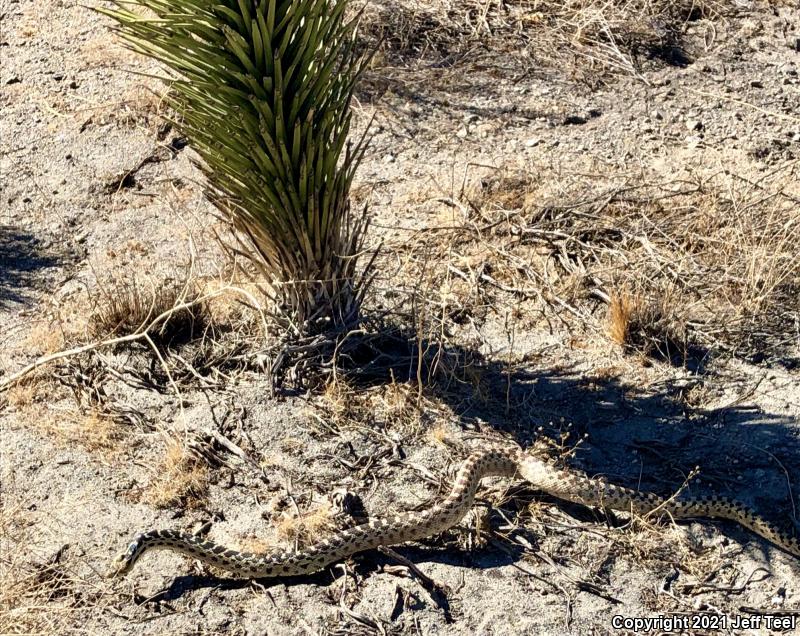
[411, 526]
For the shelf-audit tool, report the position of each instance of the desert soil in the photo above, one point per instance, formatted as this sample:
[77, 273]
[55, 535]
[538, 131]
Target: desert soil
[467, 142]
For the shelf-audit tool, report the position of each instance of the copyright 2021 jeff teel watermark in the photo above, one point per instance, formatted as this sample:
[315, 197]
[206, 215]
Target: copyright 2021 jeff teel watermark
[711, 622]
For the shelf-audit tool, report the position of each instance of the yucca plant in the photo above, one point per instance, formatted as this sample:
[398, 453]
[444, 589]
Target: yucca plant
[262, 89]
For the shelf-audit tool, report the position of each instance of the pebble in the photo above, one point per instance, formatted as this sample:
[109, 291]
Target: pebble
[694, 124]
[483, 130]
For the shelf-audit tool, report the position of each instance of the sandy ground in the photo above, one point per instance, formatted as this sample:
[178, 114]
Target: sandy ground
[94, 184]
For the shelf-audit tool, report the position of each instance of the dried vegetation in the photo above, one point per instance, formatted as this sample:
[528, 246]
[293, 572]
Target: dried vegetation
[128, 304]
[675, 270]
[587, 39]
[45, 588]
[181, 478]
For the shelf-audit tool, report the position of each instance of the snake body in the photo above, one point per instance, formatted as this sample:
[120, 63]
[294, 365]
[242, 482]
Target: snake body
[411, 526]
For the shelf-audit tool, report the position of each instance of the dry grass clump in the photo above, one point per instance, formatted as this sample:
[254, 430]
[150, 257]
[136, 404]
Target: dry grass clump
[93, 430]
[28, 393]
[339, 401]
[45, 338]
[33, 397]
[21, 602]
[307, 528]
[396, 401]
[622, 36]
[229, 308]
[127, 305]
[648, 326]
[181, 479]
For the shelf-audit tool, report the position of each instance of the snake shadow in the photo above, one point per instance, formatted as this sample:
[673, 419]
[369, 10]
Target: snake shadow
[365, 565]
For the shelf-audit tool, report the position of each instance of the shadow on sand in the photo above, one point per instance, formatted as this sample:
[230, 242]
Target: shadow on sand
[24, 261]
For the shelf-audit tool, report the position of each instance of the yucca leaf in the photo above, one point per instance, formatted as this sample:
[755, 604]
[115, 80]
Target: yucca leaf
[271, 18]
[247, 19]
[236, 20]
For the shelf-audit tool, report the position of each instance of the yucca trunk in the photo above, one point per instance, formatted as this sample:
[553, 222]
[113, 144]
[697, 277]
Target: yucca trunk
[262, 90]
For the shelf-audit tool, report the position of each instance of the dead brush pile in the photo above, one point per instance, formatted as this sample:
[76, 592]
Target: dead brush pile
[589, 36]
[673, 270]
[128, 304]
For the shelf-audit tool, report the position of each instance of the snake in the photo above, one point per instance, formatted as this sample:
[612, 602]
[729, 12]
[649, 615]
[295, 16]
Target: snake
[542, 474]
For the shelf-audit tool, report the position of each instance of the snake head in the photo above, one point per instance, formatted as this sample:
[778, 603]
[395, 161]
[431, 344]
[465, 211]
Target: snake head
[123, 563]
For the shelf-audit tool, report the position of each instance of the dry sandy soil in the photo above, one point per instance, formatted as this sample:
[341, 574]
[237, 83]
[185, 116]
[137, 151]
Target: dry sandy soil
[590, 226]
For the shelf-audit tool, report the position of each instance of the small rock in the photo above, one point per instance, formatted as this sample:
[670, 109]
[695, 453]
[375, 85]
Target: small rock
[13, 80]
[657, 114]
[462, 132]
[389, 158]
[694, 124]
[483, 130]
[532, 142]
[757, 84]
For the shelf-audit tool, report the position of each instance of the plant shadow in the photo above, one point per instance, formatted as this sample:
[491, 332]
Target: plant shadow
[25, 261]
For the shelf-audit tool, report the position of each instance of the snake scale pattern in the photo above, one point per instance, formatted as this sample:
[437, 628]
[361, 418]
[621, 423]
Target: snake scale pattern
[411, 526]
